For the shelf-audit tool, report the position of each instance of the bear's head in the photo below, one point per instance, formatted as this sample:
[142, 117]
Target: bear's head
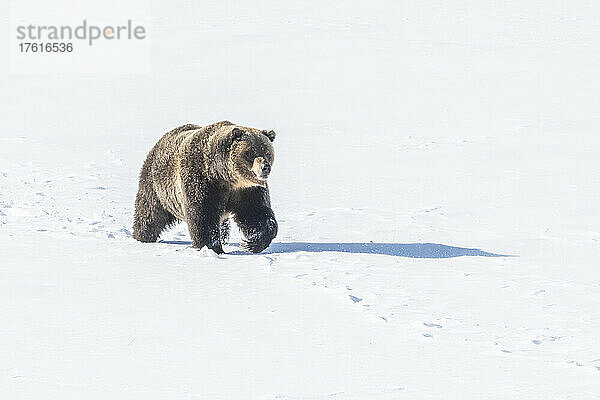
[251, 156]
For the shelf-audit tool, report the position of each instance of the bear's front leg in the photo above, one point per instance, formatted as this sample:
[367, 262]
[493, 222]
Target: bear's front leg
[205, 230]
[204, 225]
[251, 209]
[258, 227]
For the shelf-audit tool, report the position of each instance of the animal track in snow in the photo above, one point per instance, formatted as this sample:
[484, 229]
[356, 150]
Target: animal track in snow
[355, 299]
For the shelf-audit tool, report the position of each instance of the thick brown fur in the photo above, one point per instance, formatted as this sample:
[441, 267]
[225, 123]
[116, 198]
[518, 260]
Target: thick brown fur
[202, 175]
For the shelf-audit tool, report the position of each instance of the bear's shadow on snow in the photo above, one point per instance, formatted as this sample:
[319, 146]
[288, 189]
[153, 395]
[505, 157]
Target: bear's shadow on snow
[411, 250]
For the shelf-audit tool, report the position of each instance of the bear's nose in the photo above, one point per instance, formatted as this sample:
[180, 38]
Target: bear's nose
[266, 169]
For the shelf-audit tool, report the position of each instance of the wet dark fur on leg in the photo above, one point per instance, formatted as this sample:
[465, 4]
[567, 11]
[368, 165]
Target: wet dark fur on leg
[252, 213]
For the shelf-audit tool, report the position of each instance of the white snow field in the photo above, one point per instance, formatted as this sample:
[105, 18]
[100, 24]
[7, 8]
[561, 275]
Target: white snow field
[436, 184]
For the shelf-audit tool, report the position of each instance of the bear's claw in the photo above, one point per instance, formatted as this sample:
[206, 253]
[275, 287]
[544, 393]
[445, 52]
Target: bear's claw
[261, 239]
[254, 247]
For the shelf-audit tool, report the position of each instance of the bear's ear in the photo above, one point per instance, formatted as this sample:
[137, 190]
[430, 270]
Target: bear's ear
[236, 133]
[269, 134]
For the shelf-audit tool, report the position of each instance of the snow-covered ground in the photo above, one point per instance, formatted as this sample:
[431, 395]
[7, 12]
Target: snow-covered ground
[437, 187]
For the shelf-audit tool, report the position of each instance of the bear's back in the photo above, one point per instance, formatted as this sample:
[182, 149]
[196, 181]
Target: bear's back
[179, 133]
[191, 132]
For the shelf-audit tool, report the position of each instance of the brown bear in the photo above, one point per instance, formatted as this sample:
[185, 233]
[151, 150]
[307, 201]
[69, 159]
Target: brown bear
[202, 175]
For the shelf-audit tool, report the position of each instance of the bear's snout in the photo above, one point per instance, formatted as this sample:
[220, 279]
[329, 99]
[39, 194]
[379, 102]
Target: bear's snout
[261, 168]
[266, 169]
